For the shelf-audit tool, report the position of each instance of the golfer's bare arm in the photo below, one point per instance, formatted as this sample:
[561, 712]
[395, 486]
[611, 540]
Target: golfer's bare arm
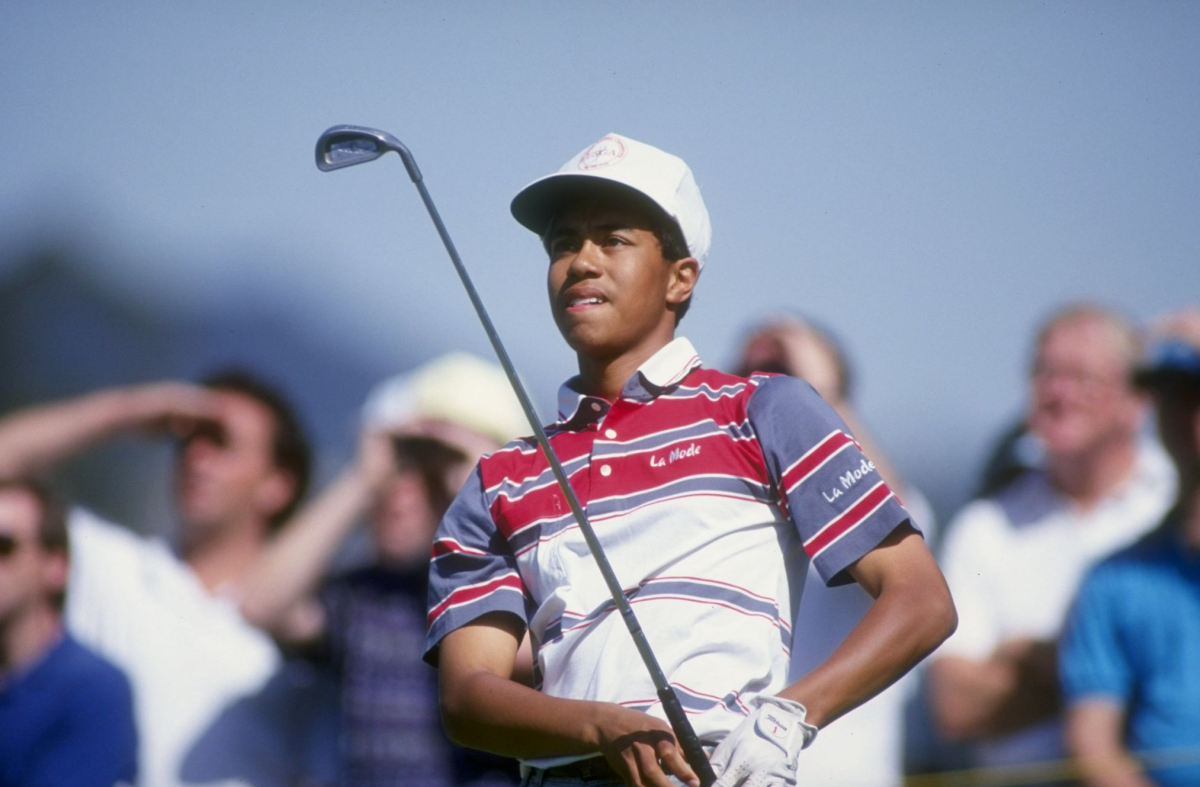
[483, 708]
[912, 614]
[38, 438]
[1095, 735]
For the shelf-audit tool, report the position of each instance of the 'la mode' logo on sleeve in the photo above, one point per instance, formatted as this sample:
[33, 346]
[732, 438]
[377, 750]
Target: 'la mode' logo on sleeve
[849, 479]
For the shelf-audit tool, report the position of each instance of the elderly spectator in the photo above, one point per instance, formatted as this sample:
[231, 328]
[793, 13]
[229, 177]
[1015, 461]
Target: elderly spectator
[66, 715]
[865, 747]
[1130, 657]
[1015, 559]
[210, 699]
[422, 434]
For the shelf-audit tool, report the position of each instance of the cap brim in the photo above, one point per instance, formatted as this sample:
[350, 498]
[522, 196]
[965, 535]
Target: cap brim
[1170, 362]
[1165, 377]
[536, 205]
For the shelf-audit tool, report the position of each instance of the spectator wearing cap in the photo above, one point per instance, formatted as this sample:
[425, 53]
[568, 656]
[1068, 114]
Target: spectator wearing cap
[1014, 559]
[422, 433]
[66, 715]
[865, 747]
[212, 696]
[1130, 656]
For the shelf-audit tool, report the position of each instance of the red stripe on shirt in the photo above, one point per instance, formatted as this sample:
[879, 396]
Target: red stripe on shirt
[849, 519]
[466, 595]
[798, 472]
[447, 546]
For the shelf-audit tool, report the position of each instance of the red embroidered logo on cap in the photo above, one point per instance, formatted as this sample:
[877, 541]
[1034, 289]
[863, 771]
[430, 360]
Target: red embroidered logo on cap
[608, 150]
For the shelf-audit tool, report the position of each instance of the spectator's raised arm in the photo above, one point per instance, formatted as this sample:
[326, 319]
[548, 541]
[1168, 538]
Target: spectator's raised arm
[37, 438]
[277, 594]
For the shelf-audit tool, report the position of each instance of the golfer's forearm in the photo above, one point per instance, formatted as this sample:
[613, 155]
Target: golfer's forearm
[294, 562]
[484, 711]
[903, 626]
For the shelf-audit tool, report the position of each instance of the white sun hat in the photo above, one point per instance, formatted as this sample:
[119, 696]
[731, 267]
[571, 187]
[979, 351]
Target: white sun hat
[458, 389]
[663, 178]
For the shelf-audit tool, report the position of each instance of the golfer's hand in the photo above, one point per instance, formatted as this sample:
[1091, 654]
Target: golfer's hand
[642, 749]
[764, 750]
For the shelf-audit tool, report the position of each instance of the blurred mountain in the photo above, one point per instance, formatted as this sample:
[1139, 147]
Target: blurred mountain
[65, 331]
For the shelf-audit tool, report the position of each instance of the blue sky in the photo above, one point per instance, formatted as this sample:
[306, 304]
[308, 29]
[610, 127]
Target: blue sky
[929, 179]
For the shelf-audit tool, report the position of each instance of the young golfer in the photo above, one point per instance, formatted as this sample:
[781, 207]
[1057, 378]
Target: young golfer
[711, 494]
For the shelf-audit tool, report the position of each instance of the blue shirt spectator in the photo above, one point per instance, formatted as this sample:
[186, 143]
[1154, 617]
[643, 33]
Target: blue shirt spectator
[1134, 637]
[1130, 657]
[67, 720]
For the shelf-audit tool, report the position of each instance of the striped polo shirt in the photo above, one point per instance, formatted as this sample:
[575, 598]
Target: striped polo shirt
[711, 495]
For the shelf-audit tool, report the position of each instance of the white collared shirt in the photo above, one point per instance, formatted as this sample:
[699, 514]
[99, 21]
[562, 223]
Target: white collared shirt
[209, 695]
[1014, 562]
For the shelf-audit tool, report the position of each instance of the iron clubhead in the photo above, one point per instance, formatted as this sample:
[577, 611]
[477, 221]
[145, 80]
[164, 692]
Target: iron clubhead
[345, 146]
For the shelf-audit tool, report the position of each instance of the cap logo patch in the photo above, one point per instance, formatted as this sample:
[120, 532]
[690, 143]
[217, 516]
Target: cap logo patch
[606, 152]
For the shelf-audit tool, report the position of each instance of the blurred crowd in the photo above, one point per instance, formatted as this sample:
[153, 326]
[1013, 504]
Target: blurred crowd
[242, 653]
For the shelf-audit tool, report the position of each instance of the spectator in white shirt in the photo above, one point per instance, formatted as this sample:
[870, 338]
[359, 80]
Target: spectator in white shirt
[1014, 559]
[210, 702]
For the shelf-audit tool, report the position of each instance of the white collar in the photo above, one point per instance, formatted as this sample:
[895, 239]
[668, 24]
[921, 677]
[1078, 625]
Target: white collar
[661, 371]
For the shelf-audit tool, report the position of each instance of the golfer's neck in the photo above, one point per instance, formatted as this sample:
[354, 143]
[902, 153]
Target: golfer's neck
[605, 377]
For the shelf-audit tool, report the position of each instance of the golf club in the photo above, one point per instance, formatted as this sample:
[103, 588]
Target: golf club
[346, 146]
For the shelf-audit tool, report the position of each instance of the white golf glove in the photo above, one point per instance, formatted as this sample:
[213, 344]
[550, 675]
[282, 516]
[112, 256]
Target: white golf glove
[764, 750]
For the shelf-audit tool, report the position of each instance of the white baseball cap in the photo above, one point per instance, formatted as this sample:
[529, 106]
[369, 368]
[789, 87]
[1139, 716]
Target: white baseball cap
[457, 388]
[665, 179]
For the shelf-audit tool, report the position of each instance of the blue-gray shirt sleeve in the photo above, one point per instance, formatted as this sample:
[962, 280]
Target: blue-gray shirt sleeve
[473, 571]
[832, 492]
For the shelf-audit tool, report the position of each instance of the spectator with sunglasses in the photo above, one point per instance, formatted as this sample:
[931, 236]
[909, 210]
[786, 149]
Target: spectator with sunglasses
[422, 434]
[66, 715]
[213, 702]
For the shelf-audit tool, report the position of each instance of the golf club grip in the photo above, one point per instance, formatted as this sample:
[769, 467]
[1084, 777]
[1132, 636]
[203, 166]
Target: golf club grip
[693, 752]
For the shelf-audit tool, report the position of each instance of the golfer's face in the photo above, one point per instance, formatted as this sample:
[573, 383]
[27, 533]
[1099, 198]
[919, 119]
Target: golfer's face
[607, 279]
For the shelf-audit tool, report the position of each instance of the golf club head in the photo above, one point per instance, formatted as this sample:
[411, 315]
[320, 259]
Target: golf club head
[345, 146]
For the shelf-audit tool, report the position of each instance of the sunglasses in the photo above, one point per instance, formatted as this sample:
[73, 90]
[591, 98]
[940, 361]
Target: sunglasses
[8, 545]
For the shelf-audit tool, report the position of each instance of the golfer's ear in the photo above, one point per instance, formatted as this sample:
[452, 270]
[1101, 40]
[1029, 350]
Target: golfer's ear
[685, 272]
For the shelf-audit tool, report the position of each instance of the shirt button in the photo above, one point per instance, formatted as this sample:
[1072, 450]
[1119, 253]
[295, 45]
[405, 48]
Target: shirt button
[605, 471]
[610, 433]
[596, 406]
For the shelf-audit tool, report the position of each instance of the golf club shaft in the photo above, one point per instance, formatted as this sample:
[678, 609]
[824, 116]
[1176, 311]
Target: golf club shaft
[688, 741]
